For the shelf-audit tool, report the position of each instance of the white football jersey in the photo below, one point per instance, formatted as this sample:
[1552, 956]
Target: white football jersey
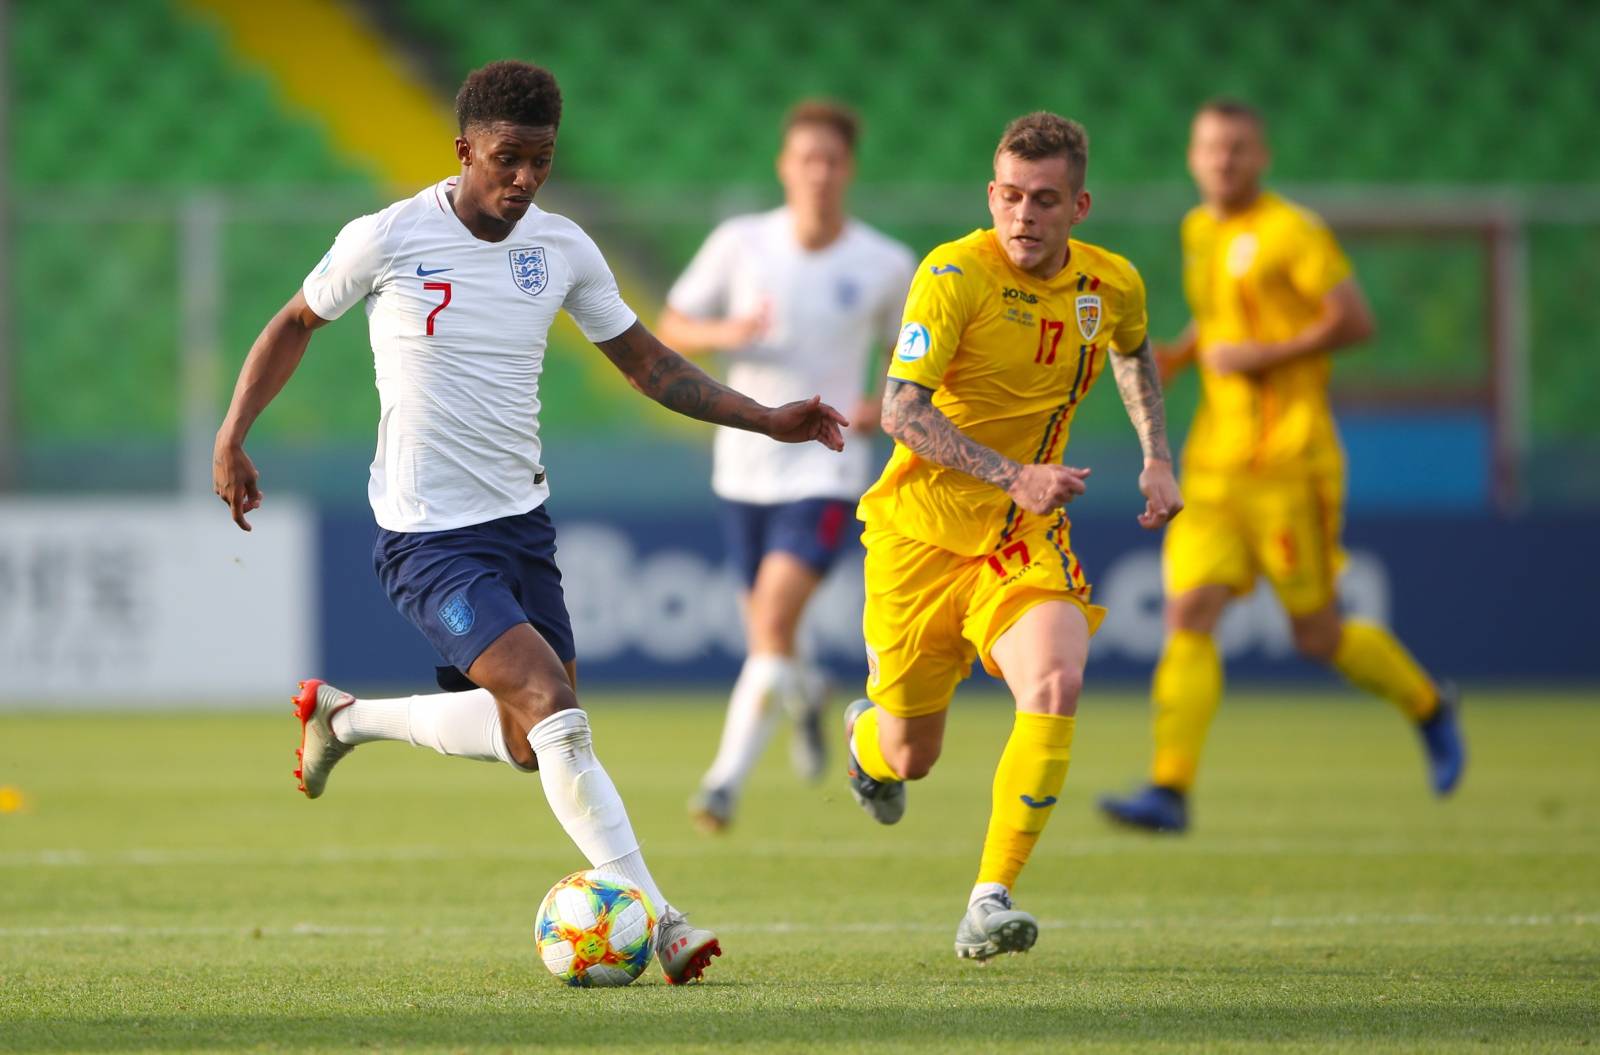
[835, 313]
[459, 329]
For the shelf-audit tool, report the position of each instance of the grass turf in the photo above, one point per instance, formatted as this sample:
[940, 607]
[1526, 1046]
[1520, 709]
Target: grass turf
[164, 889]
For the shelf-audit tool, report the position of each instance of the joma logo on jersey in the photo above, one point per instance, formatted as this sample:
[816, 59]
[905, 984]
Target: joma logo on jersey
[528, 269]
[1017, 294]
[1089, 315]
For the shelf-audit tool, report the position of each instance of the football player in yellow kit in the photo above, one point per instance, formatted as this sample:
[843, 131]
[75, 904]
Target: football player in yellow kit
[1272, 296]
[968, 555]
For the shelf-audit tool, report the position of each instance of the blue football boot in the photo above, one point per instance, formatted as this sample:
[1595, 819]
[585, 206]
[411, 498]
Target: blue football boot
[1441, 738]
[1152, 808]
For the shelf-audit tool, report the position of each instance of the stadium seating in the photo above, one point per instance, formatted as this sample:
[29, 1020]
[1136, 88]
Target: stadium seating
[1445, 95]
[122, 107]
[687, 96]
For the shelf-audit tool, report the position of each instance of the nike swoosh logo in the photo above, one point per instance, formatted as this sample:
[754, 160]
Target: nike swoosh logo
[946, 269]
[1027, 800]
[423, 272]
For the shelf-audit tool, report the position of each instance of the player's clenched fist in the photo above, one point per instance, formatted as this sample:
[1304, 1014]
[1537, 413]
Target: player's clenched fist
[1041, 488]
[1162, 498]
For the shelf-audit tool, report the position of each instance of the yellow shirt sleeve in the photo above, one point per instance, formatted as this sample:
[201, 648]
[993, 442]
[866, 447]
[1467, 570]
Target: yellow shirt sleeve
[1134, 324]
[1316, 263]
[941, 303]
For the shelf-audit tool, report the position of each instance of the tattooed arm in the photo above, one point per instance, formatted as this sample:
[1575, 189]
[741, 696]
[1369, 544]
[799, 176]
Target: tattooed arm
[680, 386]
[911, 418]
[1139, 382]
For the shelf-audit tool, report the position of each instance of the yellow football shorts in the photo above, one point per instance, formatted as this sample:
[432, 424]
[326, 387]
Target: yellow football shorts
[930, 612]
[1235, 527]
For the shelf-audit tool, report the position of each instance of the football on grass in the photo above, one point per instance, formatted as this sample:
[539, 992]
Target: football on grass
[595, 929]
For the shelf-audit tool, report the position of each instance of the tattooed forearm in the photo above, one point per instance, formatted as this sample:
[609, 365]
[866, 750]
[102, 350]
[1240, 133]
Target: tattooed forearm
[679, 385]
[1139, 382]
[910, 417]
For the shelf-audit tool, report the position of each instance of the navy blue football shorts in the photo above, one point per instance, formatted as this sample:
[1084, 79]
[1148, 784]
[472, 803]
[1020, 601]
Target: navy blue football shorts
[816, 530]
[465, 587]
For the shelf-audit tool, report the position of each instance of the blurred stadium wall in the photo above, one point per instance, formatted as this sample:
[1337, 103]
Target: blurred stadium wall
[174, 168]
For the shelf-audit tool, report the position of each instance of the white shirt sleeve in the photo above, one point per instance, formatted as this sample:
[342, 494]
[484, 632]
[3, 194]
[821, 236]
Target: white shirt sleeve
[901, 266]
[593, 301]
[701, 292]
[349, 271]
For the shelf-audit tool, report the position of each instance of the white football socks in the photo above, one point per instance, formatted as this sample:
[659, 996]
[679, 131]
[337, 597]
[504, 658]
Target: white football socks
[763, 681]
[459, 724]
[585, 801]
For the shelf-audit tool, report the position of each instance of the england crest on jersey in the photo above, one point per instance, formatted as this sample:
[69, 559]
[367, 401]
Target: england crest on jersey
[528, 269]
[1089, 315]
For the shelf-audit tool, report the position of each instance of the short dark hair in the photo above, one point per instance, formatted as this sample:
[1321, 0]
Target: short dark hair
[1040, 135]
[827, 113]
[1226, 106]
[509, 91]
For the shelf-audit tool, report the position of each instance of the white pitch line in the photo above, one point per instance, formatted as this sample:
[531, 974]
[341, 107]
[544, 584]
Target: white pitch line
[812, 850]
[1112, 923]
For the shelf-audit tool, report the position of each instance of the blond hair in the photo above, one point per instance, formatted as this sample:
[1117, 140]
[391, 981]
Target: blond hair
[1040, 135]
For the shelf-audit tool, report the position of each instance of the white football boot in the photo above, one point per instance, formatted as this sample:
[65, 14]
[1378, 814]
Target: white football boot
[685, 951]
[884, 800]
[319, 749]
[991, 927]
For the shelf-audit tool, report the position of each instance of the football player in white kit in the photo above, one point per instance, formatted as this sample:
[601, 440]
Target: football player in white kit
[802, 299]
[460, 284]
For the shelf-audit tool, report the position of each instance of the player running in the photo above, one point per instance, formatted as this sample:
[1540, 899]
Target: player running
[460, 284]
[802, 299]
[1272, 295]
[968, 554]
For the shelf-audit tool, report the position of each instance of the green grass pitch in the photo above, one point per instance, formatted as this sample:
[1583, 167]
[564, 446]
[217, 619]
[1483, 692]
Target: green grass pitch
[163, 888]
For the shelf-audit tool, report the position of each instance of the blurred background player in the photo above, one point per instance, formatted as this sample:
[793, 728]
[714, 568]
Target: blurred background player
[461, 284]
[803, 299]
[1272, 295]
[968, 555]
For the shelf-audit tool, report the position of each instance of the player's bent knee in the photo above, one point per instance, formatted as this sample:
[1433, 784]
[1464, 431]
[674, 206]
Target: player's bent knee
[1197, 611]
[912, 761]
[1055, 693]
[773, 632]
[1317, 642]
[538, 701]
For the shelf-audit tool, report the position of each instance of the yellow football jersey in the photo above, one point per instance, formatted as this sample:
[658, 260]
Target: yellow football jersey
[1008, 357]
[1261, 276]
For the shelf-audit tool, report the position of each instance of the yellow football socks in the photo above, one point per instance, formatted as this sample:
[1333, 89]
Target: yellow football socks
[1371, 658]
[1026, 785]
[869, 753]
[1184, 695]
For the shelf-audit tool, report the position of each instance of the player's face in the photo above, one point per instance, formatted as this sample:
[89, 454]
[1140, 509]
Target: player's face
[1035, 206]
[815, 167]
[503, 166]
[1227, 156]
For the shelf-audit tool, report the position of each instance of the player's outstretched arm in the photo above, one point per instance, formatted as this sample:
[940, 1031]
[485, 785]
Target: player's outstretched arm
[679, 385]
[1139, 383]
[1171, 358]
[1345, 320]
[268, 367]
[691, 335]
[910, 417]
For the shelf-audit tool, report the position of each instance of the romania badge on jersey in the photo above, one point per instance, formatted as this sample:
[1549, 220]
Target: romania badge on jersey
[528, 269]
[1089, 315]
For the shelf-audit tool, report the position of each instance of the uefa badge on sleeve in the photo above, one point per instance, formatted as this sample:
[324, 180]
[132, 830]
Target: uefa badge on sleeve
[914, 342]
[528, 269]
